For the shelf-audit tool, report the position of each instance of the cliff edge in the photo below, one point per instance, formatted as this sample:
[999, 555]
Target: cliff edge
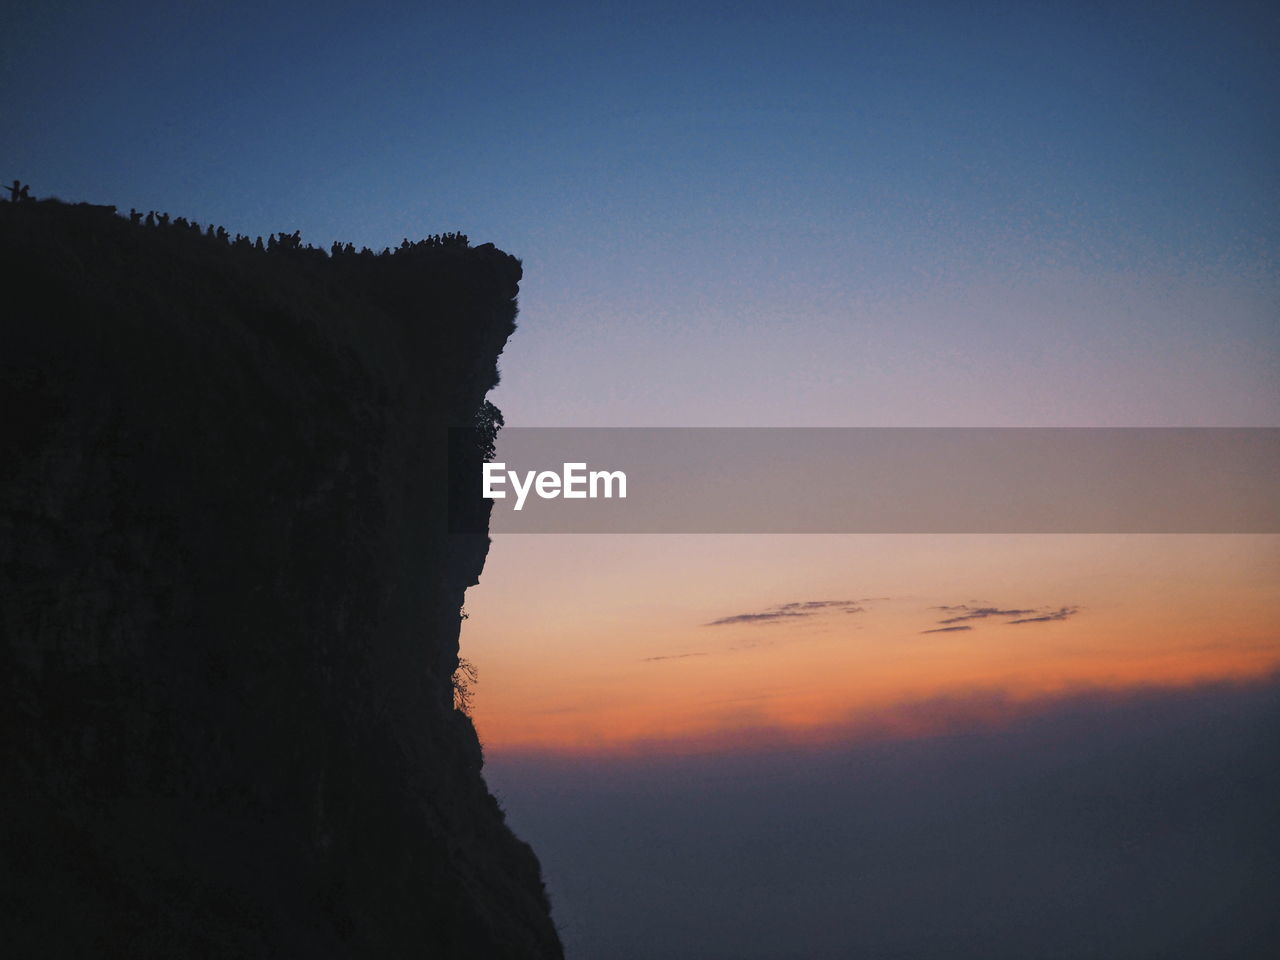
[230, 602]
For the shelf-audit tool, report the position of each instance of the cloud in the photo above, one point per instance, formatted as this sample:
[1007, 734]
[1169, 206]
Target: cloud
[980, 613]
[1061, 613]
[963, 612]
[848, 606]
[787, 611]
[946, 629]
[756, 618]
[673, 656]
[820, 843]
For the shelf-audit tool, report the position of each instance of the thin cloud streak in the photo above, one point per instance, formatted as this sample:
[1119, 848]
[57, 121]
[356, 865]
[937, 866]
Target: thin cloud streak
[966, 613]
[981, 613]
[793, 610]
[1062, 613]
[769, 617]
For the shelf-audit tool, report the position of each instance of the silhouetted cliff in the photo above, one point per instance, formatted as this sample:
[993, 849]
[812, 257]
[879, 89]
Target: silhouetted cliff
[230, 604]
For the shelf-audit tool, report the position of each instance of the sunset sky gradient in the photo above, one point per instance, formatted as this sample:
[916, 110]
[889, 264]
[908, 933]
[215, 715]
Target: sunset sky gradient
[639, 667]
[758, 214]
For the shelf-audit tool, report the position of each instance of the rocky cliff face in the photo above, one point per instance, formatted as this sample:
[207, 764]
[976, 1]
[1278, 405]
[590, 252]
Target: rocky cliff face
[230, 602]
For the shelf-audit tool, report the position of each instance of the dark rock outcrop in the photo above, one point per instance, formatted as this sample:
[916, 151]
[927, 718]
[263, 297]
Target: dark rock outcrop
[230, 603]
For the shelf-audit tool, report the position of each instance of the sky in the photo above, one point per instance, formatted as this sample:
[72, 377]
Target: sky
[1138, 826]
[619, 644]
[817, 214]
[944, 214]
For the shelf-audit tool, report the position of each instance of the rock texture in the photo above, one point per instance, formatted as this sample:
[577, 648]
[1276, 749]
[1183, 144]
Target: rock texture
[230, 601]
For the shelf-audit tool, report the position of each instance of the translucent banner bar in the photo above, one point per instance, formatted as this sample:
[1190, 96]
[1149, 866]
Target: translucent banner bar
[881, 480]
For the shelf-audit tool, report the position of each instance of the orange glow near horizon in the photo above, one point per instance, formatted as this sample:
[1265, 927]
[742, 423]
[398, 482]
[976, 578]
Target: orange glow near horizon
[605, 644]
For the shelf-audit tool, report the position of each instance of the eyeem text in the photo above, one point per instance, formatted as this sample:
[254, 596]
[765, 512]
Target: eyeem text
[575, 482]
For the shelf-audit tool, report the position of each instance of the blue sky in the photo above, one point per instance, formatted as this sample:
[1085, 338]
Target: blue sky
[844, 214]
